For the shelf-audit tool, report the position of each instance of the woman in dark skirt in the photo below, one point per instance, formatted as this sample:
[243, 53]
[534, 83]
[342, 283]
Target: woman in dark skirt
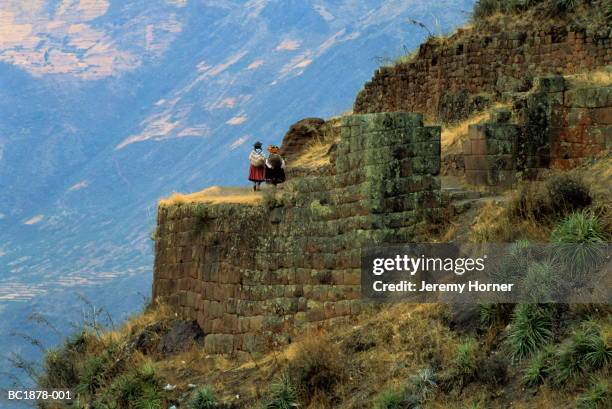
[257, 168]
[275, 166]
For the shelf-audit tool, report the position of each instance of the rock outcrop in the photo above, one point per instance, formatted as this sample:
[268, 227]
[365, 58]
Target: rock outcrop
[299, 135]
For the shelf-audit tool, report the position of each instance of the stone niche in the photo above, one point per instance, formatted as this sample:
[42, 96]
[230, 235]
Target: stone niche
[254, 275]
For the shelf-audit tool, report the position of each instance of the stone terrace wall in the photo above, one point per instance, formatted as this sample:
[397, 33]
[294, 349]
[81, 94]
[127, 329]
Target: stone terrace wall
[556, 126]
[581, 126]
[251, 275]
[478, 64]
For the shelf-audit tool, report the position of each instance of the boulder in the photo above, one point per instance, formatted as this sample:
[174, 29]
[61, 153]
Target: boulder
[146, 339]
[299, 134]
[181, 336]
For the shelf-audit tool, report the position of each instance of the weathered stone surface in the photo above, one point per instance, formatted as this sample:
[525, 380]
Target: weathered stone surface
[252, 275]
[556, 127]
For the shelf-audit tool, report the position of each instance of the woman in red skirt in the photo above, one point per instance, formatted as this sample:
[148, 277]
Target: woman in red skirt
[257, 168]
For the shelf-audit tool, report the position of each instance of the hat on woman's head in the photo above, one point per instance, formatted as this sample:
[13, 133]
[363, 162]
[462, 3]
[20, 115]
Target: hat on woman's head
[273, 149]
[257, 145]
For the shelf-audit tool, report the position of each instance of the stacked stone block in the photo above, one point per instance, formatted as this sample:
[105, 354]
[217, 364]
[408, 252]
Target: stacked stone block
[475, 63]
[254, 275]
[582, 126]
[489, 153]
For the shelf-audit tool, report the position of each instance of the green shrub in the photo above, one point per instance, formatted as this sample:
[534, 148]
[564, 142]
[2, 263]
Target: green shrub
[316, 369]
[531, 328]
[531, 202]
[580, 227]
[597, 396]
[91, 377]
[389, 400]
[423, 384]
[514, 264]
[464, 363]
[580, 241]
[515, 6]
[585, 350]
[562, 6]
[78, 341]
[568, 193]
[150, 398]
[494, 314]
[546, 201]
[538, 368]
[60, 369]
[203, 398]
[597, 353]
[283, 394]
[61, 365]
[541, 282]
[488, 314]
[136, 389]
[485, 8]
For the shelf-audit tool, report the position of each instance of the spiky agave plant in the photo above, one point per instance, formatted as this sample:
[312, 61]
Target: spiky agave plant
[203, 398]
[389, 400]
[562, 6]
[465, 360]
[580, 242]
[91, 376]
[150, 398]
[539, 367]
[283, 394]
[424, 384]
[596, 396]
[542, 282]
[138, 387]
[583, 351]
[530, 330]
[598, 353]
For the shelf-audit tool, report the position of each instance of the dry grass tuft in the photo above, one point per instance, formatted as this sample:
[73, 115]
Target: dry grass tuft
[598, 176]
[452, 134]
[316, 368]
[215, 195]
[494, 224]
[596, 78]
[156, 312]
[316, 152]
